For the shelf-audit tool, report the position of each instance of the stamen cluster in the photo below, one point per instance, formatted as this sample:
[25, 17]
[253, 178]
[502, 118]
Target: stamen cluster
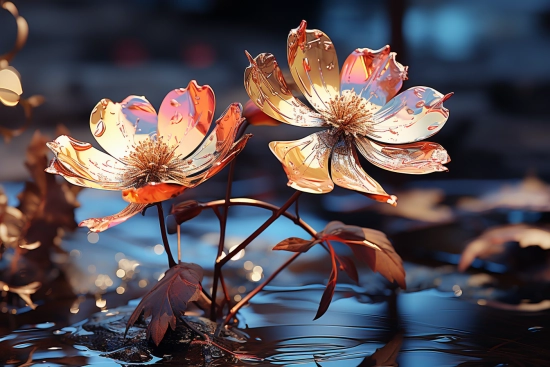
[348, 114]
[152, 161]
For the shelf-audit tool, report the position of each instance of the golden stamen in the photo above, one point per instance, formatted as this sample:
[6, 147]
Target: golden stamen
[152, 161]
[348, 114]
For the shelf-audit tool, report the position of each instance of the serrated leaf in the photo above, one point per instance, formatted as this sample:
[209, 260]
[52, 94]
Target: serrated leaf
[168, 299]
[294, 244]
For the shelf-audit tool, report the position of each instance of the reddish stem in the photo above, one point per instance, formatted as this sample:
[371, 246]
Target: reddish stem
[171, 262]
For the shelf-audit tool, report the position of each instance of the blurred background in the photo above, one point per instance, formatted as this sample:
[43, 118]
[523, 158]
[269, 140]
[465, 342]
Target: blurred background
[495, 59]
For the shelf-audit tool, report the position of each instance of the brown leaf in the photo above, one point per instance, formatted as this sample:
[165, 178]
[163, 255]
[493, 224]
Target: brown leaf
[387, 355]
[327, 294]
[186, 210]
[168, 299]
[347, 265]
[491, 242]
[370, 246]
[295, 244]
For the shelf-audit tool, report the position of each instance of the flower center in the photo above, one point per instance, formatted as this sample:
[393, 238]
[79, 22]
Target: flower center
[152, 161]
[348, 114]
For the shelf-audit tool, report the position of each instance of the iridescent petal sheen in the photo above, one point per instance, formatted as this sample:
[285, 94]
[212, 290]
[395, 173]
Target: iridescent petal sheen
[266, 87]
[102, 224]
[313, 64]
[86, 161]
[138, 112]
[347, 173]
[415, 158]
[57, 168]
[185, 116]
[413, 115]
[218, 143]
[305, 162]
[373, 74]
[153, 192]
[111, 130]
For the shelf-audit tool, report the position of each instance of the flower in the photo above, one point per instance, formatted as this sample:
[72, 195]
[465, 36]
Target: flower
[151, 158]
[360, 109]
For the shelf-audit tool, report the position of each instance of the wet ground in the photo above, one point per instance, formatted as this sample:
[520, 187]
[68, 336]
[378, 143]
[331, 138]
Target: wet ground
[445, 318]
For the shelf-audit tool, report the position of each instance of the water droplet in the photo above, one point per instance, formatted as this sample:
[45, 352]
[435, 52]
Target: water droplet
[420, 104]
[197, 97]
[174, 103]
[446, 339]
[327, 46]
[433, 126]
[176, 119]
[318, 33]
[410, 111]
[330, 66]
[535, 329]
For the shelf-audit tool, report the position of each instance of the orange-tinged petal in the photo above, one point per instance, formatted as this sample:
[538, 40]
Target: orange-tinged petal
[256, 117]
[414, 158]
[221, 163]
[102, 224]
[305, 162]
[111, 129]
[218, 143]
[153, 192]
[86, 161]
[57, 168]
[138, 112]
[373, 74]
[347, 173]
[10, 86]
[313, 64]
[266, 87]
[185, 116]
[413, 115]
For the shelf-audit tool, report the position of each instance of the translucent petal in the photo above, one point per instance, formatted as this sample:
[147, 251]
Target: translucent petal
[153, 192]
[111, 130]
[85, 161]
[221, 162]
[266, 87]
[413, 115]
[347, 173]
[102, 224]
[414, 158]
[313, 64]
[57, 168]
[10, 86]
[185, 116]
[305, 162]
[139, 113]
[218, 143]
[373, 74]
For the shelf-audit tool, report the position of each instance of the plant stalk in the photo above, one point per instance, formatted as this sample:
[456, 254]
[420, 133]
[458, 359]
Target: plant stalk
[171, 262]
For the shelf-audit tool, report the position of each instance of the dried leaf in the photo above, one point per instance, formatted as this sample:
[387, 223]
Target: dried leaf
[295, 244]
[326, 299]
[370, 246]
[168, 299]
[491, 242]
[347, 265]
[186, 210]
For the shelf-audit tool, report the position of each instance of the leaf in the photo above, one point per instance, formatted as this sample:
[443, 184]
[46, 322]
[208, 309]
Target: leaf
[387, 355]
[347, 265]
[168, 299]
[369, 246]
[181, 213]
[327, 294]
[492, 241]
[295, 244]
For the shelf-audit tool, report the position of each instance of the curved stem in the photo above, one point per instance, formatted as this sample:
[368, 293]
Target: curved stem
[171, 262]
[256, 290]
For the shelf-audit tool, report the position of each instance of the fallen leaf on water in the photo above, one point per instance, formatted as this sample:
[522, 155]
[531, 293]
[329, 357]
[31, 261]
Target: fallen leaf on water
[491, 242]
[168, 299]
